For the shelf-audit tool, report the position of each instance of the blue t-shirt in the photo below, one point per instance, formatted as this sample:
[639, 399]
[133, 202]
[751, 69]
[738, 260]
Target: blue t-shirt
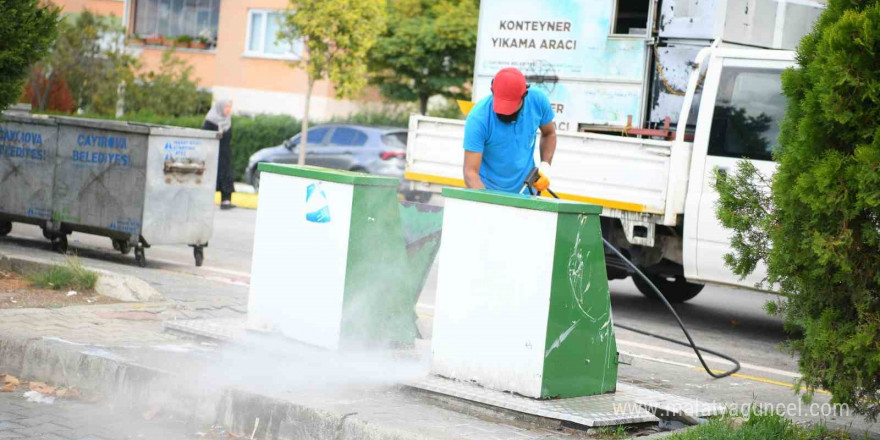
[508, 148]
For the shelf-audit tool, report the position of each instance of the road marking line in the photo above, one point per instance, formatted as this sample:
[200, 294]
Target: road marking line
[691, 355]
[653, 359]
[208, 268]
[763, 379]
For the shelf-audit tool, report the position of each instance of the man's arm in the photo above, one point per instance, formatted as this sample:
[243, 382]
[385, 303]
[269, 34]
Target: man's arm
[472, 163]
[548, 142]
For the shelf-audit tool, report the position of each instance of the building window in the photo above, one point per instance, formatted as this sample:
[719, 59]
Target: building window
[262, 36]
[631, 17]
[173, 18]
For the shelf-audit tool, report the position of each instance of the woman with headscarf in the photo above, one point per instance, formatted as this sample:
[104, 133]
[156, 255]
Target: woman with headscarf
[219, 119]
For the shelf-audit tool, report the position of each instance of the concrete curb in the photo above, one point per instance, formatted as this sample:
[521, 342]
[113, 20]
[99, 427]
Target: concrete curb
[241, 200]
[141, 387]
[122, 287]
[132, 385]
[239, 411]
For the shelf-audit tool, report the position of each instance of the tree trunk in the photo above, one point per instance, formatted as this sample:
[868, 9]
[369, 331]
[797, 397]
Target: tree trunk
[304, 134]
[423, 104]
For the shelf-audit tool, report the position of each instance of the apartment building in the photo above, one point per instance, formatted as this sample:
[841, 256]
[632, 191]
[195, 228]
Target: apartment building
[243, 60]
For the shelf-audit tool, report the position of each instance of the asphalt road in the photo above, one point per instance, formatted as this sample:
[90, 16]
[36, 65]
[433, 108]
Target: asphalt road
[721, 318]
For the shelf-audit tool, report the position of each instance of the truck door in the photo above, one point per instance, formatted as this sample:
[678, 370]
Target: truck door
[739, 120]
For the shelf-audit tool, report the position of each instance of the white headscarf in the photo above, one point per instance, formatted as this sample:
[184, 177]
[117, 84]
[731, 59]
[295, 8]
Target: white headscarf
[216, 116]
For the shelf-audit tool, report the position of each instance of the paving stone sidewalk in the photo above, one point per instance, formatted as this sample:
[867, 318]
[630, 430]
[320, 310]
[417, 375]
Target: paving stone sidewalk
[128, 325]
[134, 332]
[74, 420]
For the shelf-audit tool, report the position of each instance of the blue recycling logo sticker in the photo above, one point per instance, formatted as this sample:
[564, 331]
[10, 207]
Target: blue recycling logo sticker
[317, 207]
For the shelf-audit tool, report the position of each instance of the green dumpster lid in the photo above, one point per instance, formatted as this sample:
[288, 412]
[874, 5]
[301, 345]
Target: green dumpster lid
[521, 201]
[328, 175]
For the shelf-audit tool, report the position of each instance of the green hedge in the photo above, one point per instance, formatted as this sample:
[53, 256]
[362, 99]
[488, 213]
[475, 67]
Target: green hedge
[252, 134]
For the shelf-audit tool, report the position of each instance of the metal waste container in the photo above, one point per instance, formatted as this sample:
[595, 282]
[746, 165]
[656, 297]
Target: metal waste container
[27, 165]
[138, 184]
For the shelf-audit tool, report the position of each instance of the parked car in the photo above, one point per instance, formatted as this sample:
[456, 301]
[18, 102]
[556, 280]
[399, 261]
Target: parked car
[373, 150]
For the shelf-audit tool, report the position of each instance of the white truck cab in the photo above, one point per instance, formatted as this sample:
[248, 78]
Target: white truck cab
[657, 195]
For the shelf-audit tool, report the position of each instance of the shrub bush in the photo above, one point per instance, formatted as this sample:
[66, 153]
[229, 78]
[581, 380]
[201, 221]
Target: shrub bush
[250, 134]
[818, 231]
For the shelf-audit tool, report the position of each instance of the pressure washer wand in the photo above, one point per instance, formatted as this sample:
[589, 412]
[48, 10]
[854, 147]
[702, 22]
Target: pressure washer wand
[533, 177]
[530, 182]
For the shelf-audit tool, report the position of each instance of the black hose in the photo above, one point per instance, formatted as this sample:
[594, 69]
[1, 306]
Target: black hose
[690, 342]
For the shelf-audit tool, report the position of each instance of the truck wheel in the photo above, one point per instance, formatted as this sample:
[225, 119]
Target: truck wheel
[199, 254]
[675, 289]
[5, 228]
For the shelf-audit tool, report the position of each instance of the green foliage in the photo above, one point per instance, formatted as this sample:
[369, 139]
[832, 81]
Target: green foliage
[449, 110]
[70, 276]
[745, 204]
[27, 30]
[758, 427]
[337, 34]
[428, 49]
[610, 432]
[386, 118]
[170, 91]
[819, 231]
[89, 55]
[250, 134]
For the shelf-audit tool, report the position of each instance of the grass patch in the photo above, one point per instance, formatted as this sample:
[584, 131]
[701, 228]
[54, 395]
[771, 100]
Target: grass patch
[69, 276]
[758, 427]
[610, 432]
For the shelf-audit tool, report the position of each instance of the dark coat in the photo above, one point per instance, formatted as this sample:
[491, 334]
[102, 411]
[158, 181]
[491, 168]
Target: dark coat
[225, 175]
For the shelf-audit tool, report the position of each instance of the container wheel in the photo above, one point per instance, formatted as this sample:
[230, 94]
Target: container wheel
[139, 256]
[199, 254]
[122, 246]
[5, 228]
[59, 243]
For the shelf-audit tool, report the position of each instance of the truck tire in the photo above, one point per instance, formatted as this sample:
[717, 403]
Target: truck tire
[5, 228]
[675, 290]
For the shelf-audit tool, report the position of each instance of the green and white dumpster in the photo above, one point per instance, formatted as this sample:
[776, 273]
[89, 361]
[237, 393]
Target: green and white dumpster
[522, 298]
[330, 259]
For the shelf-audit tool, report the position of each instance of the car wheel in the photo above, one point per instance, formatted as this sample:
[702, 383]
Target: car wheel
[675, 289]
[255, 180]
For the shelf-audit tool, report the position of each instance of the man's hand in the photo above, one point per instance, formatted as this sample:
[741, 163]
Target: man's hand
[472, 163]
[543, 181]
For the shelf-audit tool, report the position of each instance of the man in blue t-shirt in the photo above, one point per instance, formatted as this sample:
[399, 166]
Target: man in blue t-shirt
[499, 136]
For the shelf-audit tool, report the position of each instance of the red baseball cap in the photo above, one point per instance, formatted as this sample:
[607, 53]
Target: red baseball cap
[508, 89]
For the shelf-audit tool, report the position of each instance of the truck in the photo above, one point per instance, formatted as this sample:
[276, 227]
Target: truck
[655, 184]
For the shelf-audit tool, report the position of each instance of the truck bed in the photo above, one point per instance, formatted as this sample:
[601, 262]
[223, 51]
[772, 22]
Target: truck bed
[624, 175]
